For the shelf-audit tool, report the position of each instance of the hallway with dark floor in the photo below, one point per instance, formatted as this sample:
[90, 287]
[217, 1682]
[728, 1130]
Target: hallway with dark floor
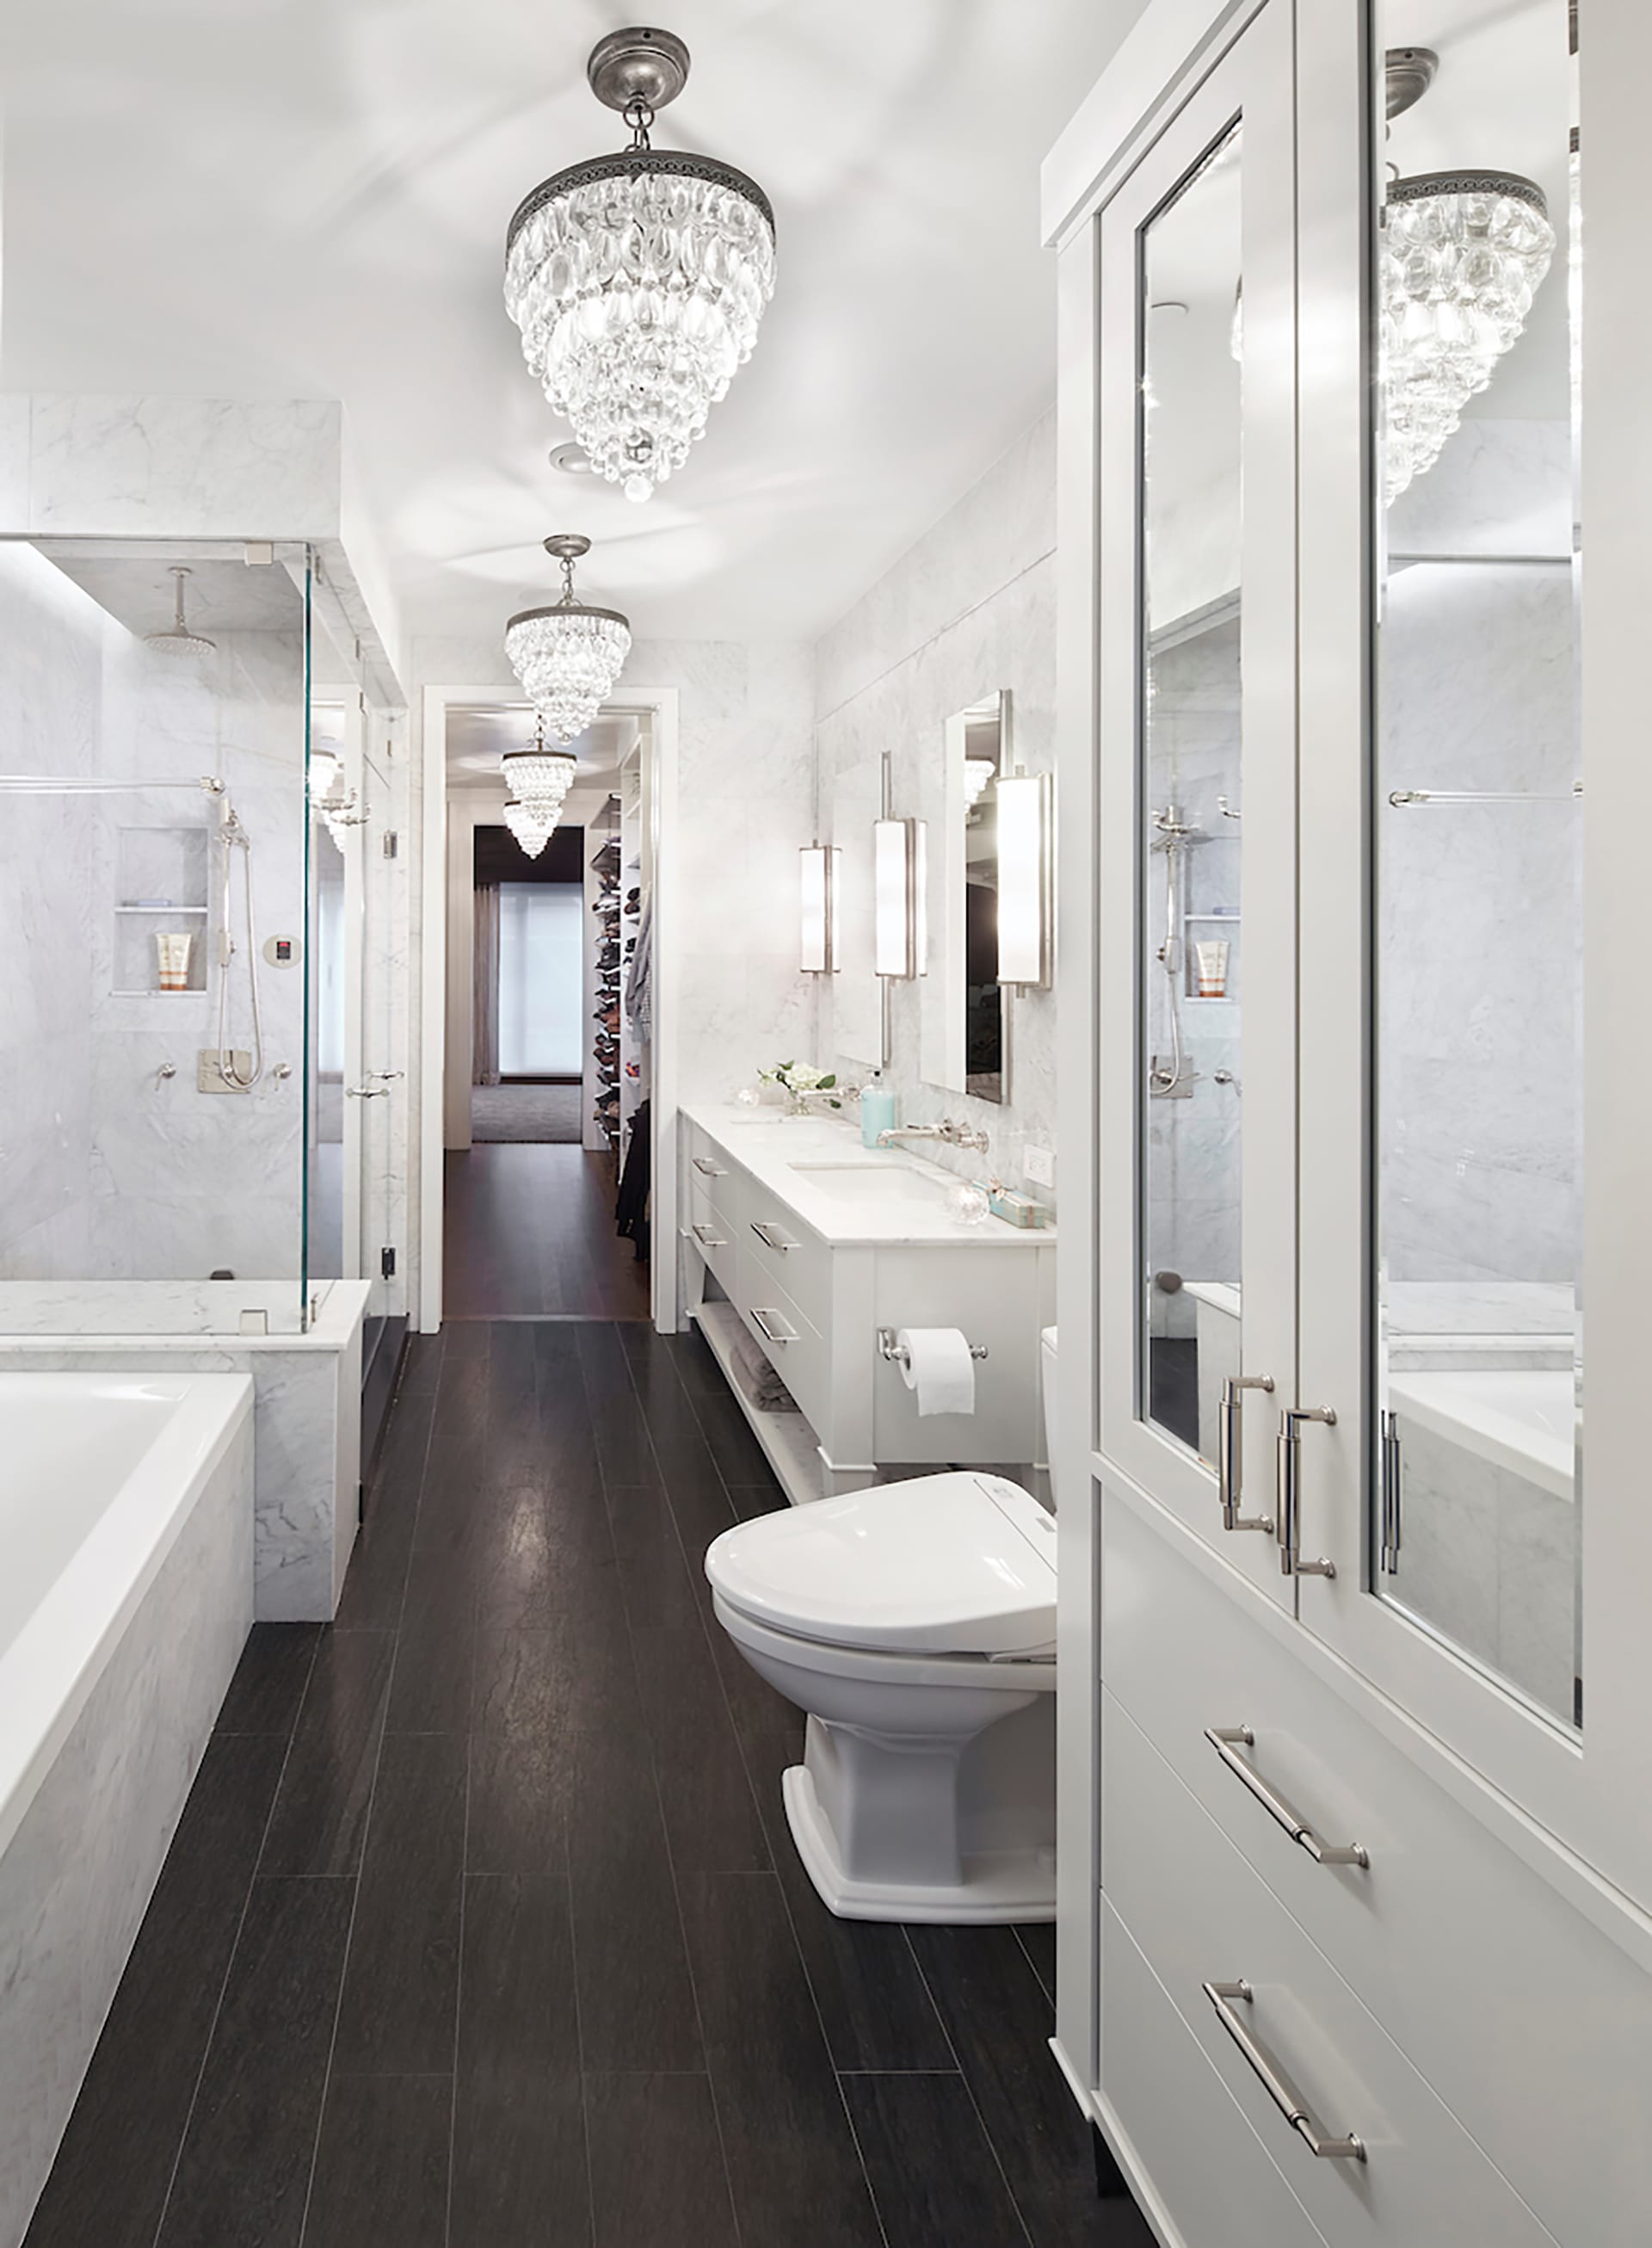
[528, 1233]
[482, 1928]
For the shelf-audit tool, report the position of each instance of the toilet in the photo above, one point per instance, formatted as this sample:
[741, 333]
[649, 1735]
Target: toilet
[915, 1625]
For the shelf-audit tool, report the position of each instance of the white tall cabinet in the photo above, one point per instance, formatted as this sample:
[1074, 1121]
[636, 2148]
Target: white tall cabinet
[1355, 1632]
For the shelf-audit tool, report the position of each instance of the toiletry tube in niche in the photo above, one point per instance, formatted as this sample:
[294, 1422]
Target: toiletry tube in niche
[1211, 963]
[172, 956]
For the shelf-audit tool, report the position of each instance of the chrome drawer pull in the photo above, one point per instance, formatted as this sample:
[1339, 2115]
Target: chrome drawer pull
[709, 1170]
[707, 1238]
[1275, 2082]
[769, 1332]
[1290, 1483]
[764, 1228]
[1228, 1740]
[1230, 1451]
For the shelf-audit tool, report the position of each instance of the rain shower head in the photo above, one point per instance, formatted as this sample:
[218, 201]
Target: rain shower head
[180, 640]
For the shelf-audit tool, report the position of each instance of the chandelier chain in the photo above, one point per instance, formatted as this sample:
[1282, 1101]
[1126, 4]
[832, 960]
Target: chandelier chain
[639, 116]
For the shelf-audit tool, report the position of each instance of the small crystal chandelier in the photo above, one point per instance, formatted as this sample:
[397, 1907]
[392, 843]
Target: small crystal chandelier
[538, 779]
[567, 656]
[638, 280]
[1462, 254]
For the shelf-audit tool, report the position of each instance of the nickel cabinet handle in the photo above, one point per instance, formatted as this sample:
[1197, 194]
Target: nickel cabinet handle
[1228, 1740]
[770, 1236]
[1290, 1497]
[709, 1170]
[1275, 2082]
[769, 1334]
[1229, 1471]
[707, 1238]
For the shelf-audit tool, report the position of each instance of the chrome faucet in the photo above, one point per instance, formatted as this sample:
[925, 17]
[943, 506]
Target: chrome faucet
[956, 1135]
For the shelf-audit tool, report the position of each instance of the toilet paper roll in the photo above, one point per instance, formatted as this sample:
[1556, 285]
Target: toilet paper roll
[938, 1366]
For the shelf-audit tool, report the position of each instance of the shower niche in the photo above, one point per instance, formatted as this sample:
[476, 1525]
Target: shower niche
[161, 889]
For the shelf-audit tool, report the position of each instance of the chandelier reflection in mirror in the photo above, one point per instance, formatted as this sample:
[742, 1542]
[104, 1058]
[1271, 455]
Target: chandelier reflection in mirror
[567, 656]
[538, 779]
[638, 280]
[1463, 253]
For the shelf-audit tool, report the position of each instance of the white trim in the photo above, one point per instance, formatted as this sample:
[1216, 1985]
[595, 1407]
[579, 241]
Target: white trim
[661, 704]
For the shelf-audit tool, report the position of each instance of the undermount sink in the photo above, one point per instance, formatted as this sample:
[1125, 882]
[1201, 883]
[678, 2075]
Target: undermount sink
[873, 1183]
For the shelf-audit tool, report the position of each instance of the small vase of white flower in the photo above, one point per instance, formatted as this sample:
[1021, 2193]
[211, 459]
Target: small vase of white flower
[802, 1085]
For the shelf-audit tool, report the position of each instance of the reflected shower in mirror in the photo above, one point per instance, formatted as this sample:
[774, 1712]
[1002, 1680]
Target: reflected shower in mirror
[965, 1008]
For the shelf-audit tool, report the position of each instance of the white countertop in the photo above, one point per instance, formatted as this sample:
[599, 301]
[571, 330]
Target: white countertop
[770, 1146]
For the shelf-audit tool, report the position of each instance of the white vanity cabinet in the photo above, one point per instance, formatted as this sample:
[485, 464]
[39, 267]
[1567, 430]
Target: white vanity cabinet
[816, 1245]
[1355, 1847]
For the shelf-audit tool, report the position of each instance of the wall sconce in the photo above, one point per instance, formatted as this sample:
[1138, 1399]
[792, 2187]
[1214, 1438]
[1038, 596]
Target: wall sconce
[817, 925]
[900, 871]
[1026, 885]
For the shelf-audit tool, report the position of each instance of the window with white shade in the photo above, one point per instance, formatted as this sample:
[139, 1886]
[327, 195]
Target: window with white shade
[540, 1002]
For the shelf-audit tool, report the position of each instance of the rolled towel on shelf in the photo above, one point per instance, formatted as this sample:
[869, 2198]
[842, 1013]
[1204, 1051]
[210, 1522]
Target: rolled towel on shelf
[758, 1379]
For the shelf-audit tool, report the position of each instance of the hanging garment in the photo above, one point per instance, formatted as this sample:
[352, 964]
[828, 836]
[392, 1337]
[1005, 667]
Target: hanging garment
[640, 985]
[631, 1211]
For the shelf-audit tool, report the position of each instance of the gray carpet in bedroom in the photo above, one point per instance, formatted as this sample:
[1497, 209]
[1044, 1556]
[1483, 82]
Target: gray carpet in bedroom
[526, 1112]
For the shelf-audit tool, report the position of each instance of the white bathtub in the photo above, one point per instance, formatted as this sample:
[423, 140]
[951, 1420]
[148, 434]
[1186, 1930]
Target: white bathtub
[125, 1525]
[1526, 1422]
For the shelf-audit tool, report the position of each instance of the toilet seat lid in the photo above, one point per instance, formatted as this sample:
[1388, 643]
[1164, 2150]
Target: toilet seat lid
[961, 1563]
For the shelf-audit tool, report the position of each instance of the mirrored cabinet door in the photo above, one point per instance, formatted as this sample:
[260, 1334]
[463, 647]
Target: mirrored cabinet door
[1197, 973]
[1451, 627]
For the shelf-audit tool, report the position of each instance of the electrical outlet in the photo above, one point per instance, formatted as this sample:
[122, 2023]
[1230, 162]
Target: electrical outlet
[1039, 1165]
[209, 1077]
[387, 1263]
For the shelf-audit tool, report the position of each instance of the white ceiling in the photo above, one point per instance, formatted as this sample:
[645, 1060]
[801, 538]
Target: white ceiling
[478, 735]
[309, 197]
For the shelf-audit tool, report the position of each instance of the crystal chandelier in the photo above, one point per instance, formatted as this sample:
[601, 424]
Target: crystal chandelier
[1463, 253]
[638, 280]
[567, 656]
[538, 779]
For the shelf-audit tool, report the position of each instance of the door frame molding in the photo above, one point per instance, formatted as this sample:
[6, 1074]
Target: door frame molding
[660, 706]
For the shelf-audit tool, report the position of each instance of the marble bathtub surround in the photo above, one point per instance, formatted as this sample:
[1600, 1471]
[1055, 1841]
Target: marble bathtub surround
[306, 1431]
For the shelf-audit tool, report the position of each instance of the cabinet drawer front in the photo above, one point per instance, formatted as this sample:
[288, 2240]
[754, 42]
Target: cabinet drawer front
[795, 1348]
[708, 1236]
[1220, 2186]
[1527, 2019]
[715, 1204]
[789, 1257]
[1200, 1915]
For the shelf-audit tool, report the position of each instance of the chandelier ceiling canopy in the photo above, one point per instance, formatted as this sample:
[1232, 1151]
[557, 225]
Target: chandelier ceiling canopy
[568, 655]
[638, 280]
[1462, 254]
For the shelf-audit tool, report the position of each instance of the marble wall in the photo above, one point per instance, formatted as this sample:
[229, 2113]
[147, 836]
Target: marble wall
[969, 610]
[108, 1172]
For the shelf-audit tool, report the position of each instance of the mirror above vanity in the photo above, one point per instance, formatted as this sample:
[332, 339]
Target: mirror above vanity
[965, 1008]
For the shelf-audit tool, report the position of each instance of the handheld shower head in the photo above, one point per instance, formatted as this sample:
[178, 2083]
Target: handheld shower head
[180, 640]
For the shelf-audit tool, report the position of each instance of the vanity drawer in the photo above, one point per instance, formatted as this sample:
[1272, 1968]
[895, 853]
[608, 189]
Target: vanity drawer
[788, 1256]
[1528, 2020]
[715, 1204]
[1220, 2187]
[793, 1346]
[1201, 1915]
[711, 1235]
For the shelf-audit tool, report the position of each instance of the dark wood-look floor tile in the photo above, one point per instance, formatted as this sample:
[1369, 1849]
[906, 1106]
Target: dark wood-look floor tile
[711, 1819]
[875, 2006]
[1037, 1939]
[760, 1713]
[529, 1229]
[1000, 2021]
[377, 1578]
[520, 2176]
[751, 1499]
[401, 1982]
[678, 2198]
[520, 1784]
[321, 1808]
[399, 1472]
[244, 2169]
[109, 2182]
[654, 1580]
[636, 1996]
[786, 2136]
[269, 1685]
[381, 2168]
[430, 1689]
[935, 2177]
[576, 1676]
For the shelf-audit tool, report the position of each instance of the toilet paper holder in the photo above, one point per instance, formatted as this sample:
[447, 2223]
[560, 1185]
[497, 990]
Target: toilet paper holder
[898, 1354]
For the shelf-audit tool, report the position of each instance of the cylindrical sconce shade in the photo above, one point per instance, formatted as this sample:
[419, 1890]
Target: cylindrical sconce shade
[817, 925]
[899, 908]
[1026, 844]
